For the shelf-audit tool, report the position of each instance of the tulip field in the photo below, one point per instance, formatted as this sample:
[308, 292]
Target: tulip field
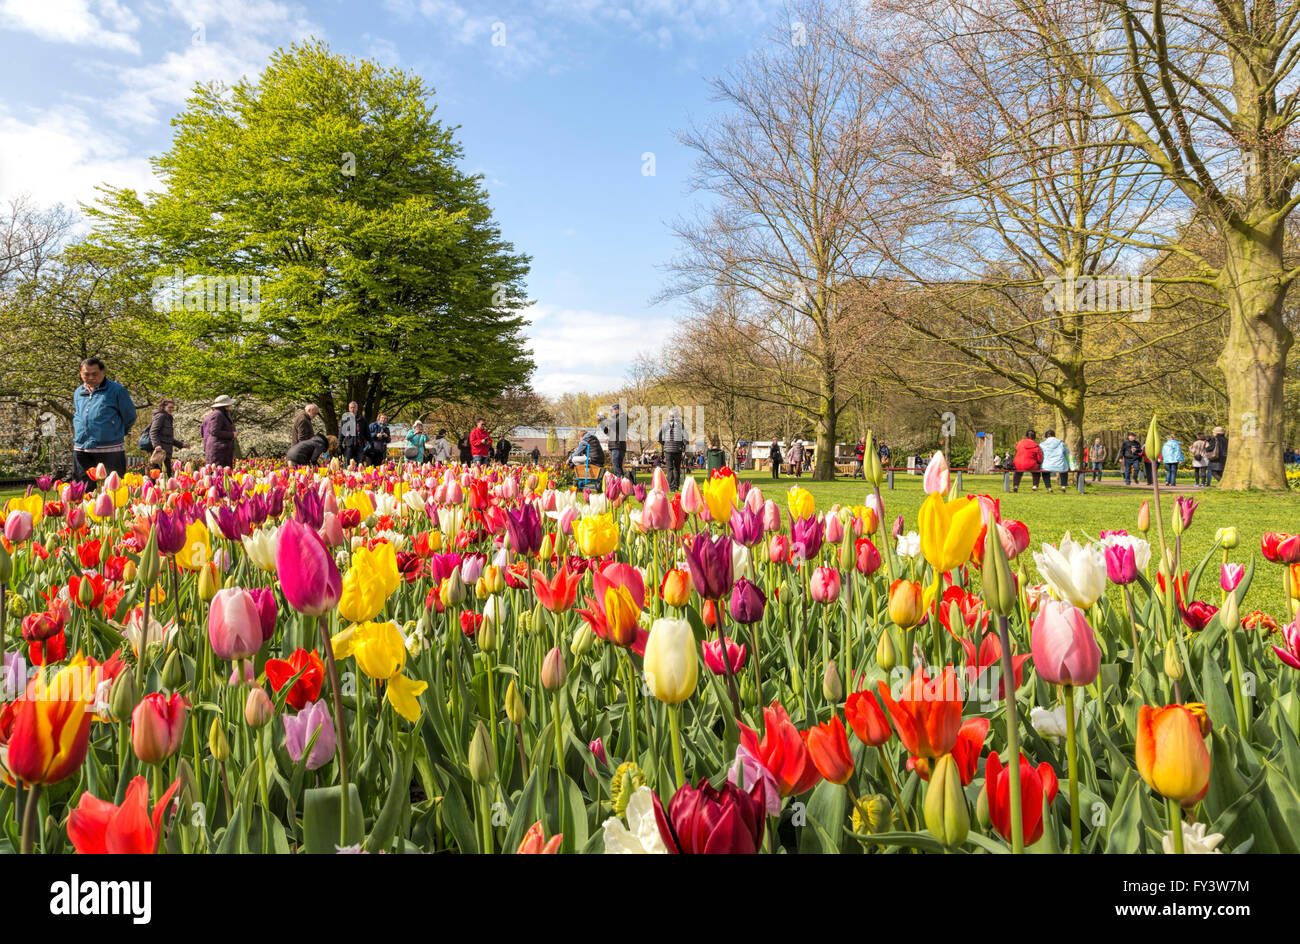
[422, 658]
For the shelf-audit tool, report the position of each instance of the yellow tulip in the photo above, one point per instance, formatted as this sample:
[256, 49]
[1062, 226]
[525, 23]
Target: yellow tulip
[493, 578]
[948, 531]
[34, 504]
[595, 535]
[720, 496]
[402, 693]
[800, 502]
[361, 502]
[369, 582]
[378, 648]
[198, 548]
[1170, 753]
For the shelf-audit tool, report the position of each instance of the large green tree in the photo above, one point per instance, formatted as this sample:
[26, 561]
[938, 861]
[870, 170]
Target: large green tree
[383, 277]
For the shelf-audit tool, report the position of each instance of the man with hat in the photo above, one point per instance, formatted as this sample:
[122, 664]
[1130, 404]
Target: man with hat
[219, 433]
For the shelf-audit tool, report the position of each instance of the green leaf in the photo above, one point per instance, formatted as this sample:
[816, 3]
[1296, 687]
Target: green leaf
[321, 813]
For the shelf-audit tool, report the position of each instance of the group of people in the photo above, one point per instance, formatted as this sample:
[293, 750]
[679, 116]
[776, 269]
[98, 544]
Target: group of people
[1208, 455]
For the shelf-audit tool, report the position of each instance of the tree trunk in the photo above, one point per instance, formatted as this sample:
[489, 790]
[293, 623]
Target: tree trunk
[1253, 362]
[1070, 420]
[824, 466]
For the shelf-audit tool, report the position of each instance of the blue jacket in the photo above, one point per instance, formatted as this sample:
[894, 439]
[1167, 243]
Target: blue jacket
[102, 417]
[1172, 453]
[1056, 457]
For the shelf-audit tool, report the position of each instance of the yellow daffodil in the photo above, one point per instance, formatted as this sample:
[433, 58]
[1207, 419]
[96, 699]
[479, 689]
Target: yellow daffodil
[595, 535]
[800, 502]
[369, 582]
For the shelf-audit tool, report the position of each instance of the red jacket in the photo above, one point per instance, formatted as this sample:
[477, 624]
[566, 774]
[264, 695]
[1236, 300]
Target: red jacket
[1028, 456]
[480, 443]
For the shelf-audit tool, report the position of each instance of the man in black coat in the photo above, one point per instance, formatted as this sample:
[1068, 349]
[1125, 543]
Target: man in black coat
[1217, 454]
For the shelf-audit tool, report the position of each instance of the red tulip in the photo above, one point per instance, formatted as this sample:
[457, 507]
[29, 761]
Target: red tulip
[702, 820]
[868, 558]
[307, 689]
[557, 594]
[1035, 783]
[990, 656]
[1280, 548]
[927, 714]
[782, 751]
[158, 726]
[97, 826]
[829, 746]
[867, 719]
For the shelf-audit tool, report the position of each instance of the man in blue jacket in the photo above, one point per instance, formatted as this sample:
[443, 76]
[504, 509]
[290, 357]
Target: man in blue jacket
[102, 412]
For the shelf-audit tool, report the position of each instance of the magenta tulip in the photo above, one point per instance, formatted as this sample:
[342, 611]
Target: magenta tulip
[264, 598]
[1230, 576]
[1064, 647]
[308, 576]
[1121, 565]
[712, 650]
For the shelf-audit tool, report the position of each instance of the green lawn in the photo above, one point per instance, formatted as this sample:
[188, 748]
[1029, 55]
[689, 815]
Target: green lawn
[1106, 507]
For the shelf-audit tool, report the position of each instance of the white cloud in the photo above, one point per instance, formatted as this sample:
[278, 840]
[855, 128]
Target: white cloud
[103, 23]
[62, 156]
[580, 350]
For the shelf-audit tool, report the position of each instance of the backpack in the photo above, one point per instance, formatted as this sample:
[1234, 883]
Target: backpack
[145, 443]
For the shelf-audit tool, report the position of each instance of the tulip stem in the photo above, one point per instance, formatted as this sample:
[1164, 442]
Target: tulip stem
[561, 795]
[884, 535]
[1176, 825]
[1238, 700]
[1072, 762]
[1132, 621]
[30, 816]
[340, 727]
[893, 786]
[1013, 737]
[675, 725]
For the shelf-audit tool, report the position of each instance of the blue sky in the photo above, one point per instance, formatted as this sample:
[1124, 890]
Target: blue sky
[557, 103]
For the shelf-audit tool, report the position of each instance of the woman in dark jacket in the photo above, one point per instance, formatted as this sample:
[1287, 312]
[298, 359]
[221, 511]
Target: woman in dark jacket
[309, 451]
[219, 434]
[775, 455]
[161, 429]
[462, 445]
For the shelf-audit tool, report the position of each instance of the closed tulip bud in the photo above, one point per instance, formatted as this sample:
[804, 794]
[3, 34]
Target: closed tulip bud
[1173, 664]
[173, 673]
[482, 762]
[671, 661]
[832, 687]
[16, 605]
[554, 671]
[1227, 537]
[886, 655]
[1229, 618]
[258, 709]
[871, 466]
[982, 809]
[481, 588]
[218, 746]
[583, 639]
[124, 696]
[1000, 594]
[946, 814]
[147, 571]
[514, 704]
[1153, 440]
[486, 637]
[86, 593]
[494, 579]
[1144, 518]
[452, 591]
[158, 726]
[128, 572]
[209, 581]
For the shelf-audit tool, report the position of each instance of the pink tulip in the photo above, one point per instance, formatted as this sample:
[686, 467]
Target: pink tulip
[771, 516]
[234, 624]
[1121, 566]
[566, 520]
[754, 500]
[1064, 646]
[825, 585]
[778, 549]
[331, 503]
[510, 488]
[712, 650]
[331, 530]
[455, 494]
[308, 575]
[936, 475]
[657, 514]
[659, 480]
[113, 482]
[18, 526]
[834, 527]
[158, 726]
[103, 506]
[1230, 576]
[692, 498]
[76, 517]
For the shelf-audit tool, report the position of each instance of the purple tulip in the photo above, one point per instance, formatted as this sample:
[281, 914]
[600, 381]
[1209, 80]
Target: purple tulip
[171, 531]
[308, 576]
[898, 527]
[612, 488]
[228, 523]
[275, 503]
[747, 602]
[746, 527]
[709, 561]
[525, 529]
[44, 482]
[234, 491]
[76, 491]
[299, 728]
[639, 491]
[806, 537]
[309, 509]
[256, 509]
[1186, 508]
[264, 597]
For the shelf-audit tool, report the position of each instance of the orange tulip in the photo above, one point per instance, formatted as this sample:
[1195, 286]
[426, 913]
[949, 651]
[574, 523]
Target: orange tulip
[927, 713]
[829, 746]
[1171, 754]
[557, 594]
[906, 605]
[867, 719]
[676, 587]
[535, 842]
[47, 730]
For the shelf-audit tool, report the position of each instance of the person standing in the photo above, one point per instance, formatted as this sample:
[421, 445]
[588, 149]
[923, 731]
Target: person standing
[102, 412]
[302, 428]
[535, 454]
[1097, 458]
[774, 454]
[616, 431]
[441, 448]
[161, 433]
[219, 434]
[1217, 454]
[716, 457]
[1056, 458]
[1171, 454]
[672, 437]
[1029, 458]
[416, 439]
[503, 451]
[480, 443]
[353, 431]
[463, 449]
[1198, 450]
[859, 455]
[1130, 457]
[380, 437]
[794, 458]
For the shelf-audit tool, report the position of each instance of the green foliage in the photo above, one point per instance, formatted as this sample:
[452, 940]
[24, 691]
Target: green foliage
[383, 276]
